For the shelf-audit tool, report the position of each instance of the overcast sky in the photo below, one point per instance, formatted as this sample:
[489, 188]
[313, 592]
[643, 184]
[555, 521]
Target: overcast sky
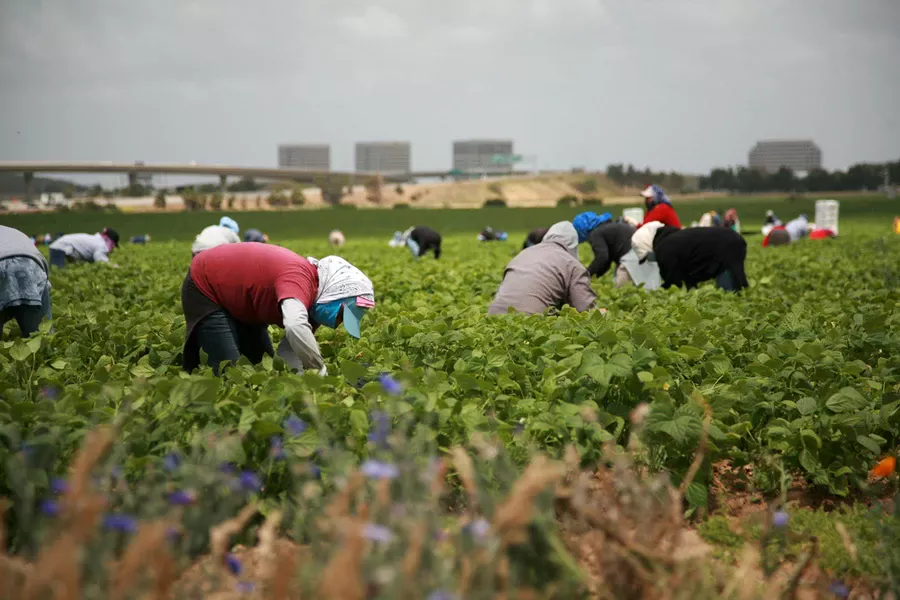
[670, 84]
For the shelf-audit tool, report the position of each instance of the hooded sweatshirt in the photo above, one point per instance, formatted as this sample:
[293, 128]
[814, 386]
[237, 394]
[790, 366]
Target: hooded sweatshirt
[15, 243]
[691, 256]
[546, 275]
[610, 242]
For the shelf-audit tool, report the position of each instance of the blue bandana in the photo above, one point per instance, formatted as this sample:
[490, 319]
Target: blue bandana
[327, 314]
[586, 222]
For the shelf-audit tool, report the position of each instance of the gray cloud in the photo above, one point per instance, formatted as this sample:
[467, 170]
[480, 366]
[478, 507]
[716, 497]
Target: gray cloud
[674, 84]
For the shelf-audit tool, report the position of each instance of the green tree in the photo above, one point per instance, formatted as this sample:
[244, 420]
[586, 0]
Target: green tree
[215, 201]
[332, 189]
[159, 201]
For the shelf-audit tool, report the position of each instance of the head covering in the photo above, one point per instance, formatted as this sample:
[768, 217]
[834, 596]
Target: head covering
[586, 222]
[254, 235]
[564, 234]
[113, 235]
[230, 224]
[655, 195]
[731, 215]
[642, 240]
[339, 280]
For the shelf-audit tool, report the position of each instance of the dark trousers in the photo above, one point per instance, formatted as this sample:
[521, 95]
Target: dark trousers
[432, 246]
[725, 281]
[224, 339]
[28, 317]
[57, 258]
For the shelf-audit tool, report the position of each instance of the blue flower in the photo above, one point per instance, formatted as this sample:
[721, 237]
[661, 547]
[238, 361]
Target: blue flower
[250, 481]
[390, 385]
[294, 425]
[182, 498]
[839, 589]
[122, 523]
[244, 587]
[780, 519]
[276, 448]
[228, 468]
[233, 563]
[377, 533]
[50, 508]
[49, 392]
[375, 469]
[59, 486]
[381, 428]
[171, 462]
[315, 471]
[478, 529]
[442, 595]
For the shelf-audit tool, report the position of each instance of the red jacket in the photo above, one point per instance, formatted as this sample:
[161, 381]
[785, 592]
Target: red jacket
[663, 213]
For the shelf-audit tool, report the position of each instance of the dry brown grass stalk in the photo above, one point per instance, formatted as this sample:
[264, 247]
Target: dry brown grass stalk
[413, 556]
[57, 567]
[440, 478]
[342, 576]
[462, 462]
[150, 540]
[220, 535]
[514, 513]
[343, 500]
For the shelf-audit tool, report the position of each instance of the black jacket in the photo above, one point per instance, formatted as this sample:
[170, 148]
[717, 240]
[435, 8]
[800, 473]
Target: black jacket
[691, 256]
[610, 242]
[425, 236]
[535, 237]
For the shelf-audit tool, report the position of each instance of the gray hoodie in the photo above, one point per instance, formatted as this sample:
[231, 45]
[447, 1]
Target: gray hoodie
[15, 243]
[546, 275]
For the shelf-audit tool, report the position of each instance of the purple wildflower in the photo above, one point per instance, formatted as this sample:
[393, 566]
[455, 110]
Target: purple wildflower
[478, 529]
[244, 587]
[442, 595]
[381, 428]
[315, 471]
[116, 472]
[171, 462]
[59, 486]
[375, 469]
[49, 392]
[276, 448]
[839, 589]
[122, 523]
[294, 425]
[377, 533]
[233, 563]
[228, 468]
[182, 498]
[250, 481]
[519, 428]
[780, 519]
[390, 385]
[50, 508]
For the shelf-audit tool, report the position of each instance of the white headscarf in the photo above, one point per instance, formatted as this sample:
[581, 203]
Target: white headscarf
[642, 240]
[563, 233]
[338, 279]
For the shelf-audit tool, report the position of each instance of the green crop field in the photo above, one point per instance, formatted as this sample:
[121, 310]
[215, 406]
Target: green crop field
[800, 374]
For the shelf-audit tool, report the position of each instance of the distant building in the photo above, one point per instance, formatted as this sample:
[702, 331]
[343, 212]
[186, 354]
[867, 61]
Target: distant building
[797, 155]
[305, 156]
[478, 156]
[383, 157]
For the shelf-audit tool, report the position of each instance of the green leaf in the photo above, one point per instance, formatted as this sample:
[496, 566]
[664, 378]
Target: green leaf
[20, 351]
[691, 352]
[352, 371]
[359, 422]
[248, 418]
[142, 371]
[846, 400]
[697, 495]
[810, 440]
[645, 376]
[869, 444]
[807, 406]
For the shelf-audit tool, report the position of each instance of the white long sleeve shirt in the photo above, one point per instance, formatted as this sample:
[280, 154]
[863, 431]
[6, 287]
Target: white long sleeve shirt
[299, 348]
[83, 246]
[212, 236]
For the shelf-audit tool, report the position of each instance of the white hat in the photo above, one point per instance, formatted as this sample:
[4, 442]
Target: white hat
[648, 192]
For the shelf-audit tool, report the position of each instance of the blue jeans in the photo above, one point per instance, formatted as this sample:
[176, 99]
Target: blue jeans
[28, 317]
[57, 258]
[224, 339]
[725, 281]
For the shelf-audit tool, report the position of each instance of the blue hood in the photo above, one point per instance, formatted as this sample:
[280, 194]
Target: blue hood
[586, 222]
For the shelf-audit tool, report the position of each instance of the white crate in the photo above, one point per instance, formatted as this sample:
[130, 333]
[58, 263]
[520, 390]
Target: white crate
[635, 213]
[827, 214]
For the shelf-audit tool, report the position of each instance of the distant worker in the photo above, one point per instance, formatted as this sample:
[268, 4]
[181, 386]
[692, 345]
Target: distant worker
[255, 235]
[732, 221]
[659, 207]
[399, 239]
[140, 239]
[535, 236]
[609, 240]
[75, 247]
[233, 292]
[822, 234]
[772, 222]
[423, 239]
[24, 285]
[798, 228]
[336, 238]
[489, 235]
[546, 275]
[226, 232]
[688, 257]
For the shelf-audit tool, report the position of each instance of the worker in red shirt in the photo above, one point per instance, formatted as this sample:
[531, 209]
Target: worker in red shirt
[659, 207]
[233, 292]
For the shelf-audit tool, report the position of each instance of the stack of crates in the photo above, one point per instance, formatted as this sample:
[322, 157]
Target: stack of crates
[827, 215]
[635, 213]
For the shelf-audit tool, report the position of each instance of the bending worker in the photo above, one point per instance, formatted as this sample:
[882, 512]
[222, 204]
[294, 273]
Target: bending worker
[691, 256]
[659, 207]
[233, 292]
[24, 286]
[83, 247]
[547, 275]
[420, 240]
[255, 235]
[610, 242]
[226, 232]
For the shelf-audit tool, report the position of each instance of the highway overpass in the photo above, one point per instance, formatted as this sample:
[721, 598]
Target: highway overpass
[28, 169]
